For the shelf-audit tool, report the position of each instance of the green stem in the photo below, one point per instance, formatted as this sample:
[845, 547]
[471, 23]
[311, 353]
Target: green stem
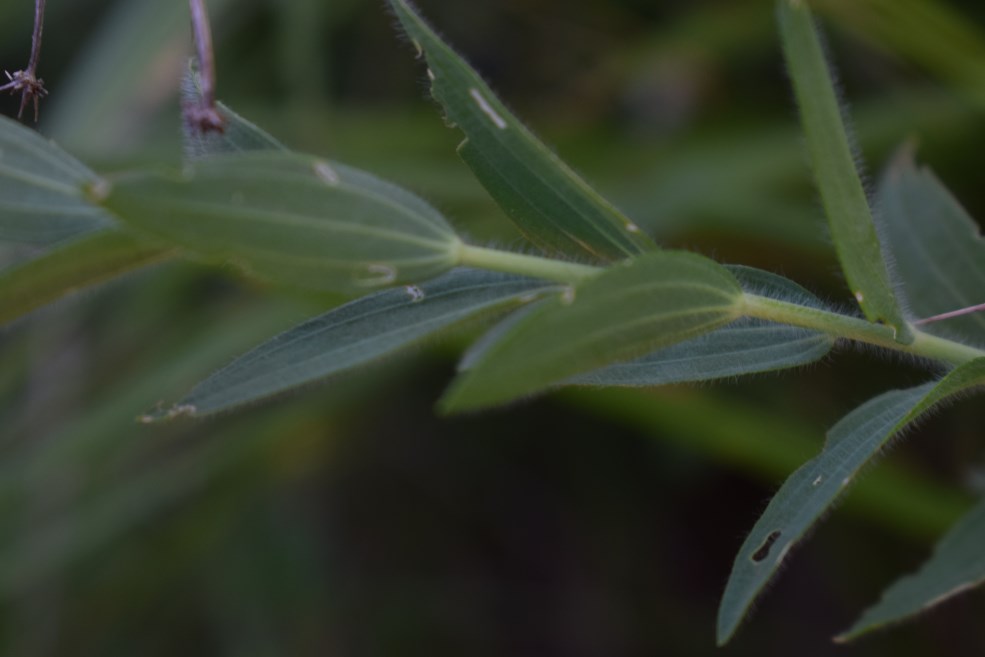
[525, 265]
[837, 325]
[853, 328]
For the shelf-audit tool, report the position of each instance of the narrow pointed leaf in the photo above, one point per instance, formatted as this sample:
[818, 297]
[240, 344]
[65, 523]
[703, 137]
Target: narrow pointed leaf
[238, 135]
[938, 249]
[82, 263]
[630, 309]
[291, 218]
[849, 216]
[358, 333]
[41, 190]
[810, 491]
[745, 346]
[957, 566]
[549, 202]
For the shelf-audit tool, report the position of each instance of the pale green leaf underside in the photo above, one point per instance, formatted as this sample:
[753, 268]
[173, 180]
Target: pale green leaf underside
[746, 346]
[357, 333]
[845, 203]
[938, 249]
[549, 202]
[238, 136]
[84, 262]
[628, 310]
[41, 199]
[957, 565]
[815, 486]
[291, 218]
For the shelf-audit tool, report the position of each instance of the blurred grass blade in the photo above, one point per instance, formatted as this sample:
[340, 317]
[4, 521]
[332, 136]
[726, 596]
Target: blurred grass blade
[238, 136]
[291, 218]
[82, 263]
[938, 249]
[957, 566]
[356, 334]
[745, 346]
[630, 309]
[815, 486]
[845, 203]
[549, 202]
[41, 200]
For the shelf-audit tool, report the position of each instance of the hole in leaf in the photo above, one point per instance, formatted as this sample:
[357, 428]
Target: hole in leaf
[764, 549]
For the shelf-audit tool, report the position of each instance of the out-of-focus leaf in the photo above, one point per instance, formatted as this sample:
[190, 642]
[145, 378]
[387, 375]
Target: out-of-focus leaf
[814, 487]
[82, 263]
[630, 309]
[937, 248]
[847, 208]
[551, 204]
[291, 218]
[745, 346]
[238, 135]
[931, 33]
[41, 190]
[357, 333]
[957, 565]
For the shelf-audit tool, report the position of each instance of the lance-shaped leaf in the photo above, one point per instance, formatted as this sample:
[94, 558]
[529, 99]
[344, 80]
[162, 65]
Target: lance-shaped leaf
[549, 202]
[291, 218]
[41, 190]
[814, 487]
[238, 135]
[957, 565]
[745, 346]
[628, 310]
[84, 262]
[849, 216]
[938, 249]
[358, 333]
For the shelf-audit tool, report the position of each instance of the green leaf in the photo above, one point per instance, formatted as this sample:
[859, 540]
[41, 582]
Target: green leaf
[41, 198]
[628, 310]
[291, 218]
[847, 208]
[815, 486]
[957, 565]
[88, 261]
[355, 334]
[746, 346]
[549, 202]
[238, 136]
[938, 249]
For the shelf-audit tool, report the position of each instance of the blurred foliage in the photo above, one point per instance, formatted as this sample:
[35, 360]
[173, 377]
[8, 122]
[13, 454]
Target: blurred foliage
[349, 519]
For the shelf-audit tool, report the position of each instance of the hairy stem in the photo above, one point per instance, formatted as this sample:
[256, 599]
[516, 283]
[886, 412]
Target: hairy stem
[32, 65]
[204, 116]
[834, 324]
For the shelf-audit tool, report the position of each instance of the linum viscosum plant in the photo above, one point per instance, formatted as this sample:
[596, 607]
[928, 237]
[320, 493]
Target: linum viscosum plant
[601, 304]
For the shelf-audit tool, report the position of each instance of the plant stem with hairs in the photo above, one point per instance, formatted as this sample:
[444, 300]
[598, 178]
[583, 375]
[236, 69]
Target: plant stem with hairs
[27, 81]
[203, 116]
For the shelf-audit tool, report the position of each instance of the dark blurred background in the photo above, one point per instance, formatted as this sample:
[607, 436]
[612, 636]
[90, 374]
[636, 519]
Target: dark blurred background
[348, 519]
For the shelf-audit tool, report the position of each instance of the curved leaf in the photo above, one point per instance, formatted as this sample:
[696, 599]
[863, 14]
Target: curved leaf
[814, 487]
[41, 190]
[84, 262]
[648, 302]
[549, 202]
[852, 227]
[957, 565]
[291, 218]
[746, 346]
[356, 334]
[938, 249]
